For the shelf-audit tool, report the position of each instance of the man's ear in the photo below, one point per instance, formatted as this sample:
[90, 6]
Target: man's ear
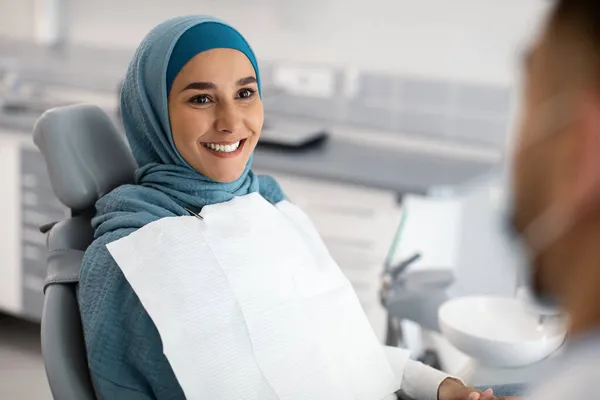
[585, 186]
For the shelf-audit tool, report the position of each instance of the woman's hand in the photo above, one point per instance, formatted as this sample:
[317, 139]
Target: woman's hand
[452, 389]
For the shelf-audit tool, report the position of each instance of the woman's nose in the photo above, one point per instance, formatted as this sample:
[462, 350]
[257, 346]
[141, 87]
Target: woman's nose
[229, 119]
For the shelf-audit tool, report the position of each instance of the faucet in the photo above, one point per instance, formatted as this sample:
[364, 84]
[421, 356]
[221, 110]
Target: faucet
[391, 274]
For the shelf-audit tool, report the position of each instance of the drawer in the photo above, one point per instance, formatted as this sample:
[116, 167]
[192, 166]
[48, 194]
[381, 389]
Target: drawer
[375, 232]
[33, 298]
[34, 253]
[354, 258]
[41, 200]
[36, 180]
[33, 276]
[39, 205]
[32, 160]
[368, 279]
[32, 235]
[35, 219]
[35, 268]
[312, 205]
[367, 292]
[34, 173]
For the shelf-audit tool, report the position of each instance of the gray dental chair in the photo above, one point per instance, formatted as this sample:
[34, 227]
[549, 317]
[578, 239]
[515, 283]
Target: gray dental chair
[86, 158]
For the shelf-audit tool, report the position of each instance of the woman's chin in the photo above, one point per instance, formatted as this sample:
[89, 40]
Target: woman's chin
[224, 170]
[226, 177]
[223, 180]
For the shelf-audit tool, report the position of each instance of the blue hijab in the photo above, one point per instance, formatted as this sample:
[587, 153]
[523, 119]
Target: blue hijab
[164, 179]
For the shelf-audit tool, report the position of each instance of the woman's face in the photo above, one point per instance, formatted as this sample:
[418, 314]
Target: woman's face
[216, 113]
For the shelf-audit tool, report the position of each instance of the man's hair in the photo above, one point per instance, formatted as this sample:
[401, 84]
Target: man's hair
[573, 37]
[578, 18]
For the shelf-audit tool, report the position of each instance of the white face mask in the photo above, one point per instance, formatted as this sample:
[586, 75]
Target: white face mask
[553, 222]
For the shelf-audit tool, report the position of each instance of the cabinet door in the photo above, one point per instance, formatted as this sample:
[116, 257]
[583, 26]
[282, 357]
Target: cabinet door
[10, 262]
[347, 216]
[344, 196]
[38, 206]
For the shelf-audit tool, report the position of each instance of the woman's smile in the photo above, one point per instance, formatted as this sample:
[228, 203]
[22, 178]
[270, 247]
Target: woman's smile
[225, 149]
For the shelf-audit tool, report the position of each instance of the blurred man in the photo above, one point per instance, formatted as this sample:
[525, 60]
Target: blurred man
[556, 175]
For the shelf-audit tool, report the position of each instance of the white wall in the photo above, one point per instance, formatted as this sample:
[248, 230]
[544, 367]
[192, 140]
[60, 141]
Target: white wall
[16, 18]
[467, 40]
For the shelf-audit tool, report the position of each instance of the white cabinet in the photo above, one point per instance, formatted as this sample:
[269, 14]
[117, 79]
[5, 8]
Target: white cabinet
[10, 220]
[26, 203]
[357, 224]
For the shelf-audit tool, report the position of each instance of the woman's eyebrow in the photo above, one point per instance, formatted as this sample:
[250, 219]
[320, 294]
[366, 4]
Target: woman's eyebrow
[246, 81]
[209, 85]
[199, 86]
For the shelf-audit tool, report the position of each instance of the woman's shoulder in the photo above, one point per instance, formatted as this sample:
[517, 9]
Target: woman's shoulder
[98, 268]
[124, 347]
[132, 206]
[118, 213]
[134, 198]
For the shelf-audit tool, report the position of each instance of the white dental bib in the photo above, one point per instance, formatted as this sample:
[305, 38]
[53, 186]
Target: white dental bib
[250, 305]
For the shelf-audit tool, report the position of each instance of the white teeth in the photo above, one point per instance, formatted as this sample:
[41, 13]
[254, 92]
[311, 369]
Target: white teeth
[225, 148]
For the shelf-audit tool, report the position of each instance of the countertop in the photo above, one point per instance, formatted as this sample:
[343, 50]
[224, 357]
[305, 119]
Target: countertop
[384, 164]
[398, 170]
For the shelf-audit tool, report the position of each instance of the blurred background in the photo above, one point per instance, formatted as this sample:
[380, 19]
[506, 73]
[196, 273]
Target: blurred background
[372, 108]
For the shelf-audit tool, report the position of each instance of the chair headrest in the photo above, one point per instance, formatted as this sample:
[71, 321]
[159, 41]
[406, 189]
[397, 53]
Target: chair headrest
[85, 154]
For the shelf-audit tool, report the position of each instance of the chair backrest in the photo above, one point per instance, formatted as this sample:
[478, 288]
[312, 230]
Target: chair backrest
[86, 157]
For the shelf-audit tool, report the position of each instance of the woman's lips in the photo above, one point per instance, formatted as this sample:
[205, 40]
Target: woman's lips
[227, 149]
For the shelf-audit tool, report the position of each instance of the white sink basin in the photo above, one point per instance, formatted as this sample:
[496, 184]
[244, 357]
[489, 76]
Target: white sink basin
[499, 332]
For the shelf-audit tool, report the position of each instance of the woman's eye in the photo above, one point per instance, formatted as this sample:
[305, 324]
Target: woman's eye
[246, 93]
[201, 99]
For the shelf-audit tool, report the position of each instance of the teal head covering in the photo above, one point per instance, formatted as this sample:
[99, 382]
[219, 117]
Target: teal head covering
[203, 37]
[144, 109]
